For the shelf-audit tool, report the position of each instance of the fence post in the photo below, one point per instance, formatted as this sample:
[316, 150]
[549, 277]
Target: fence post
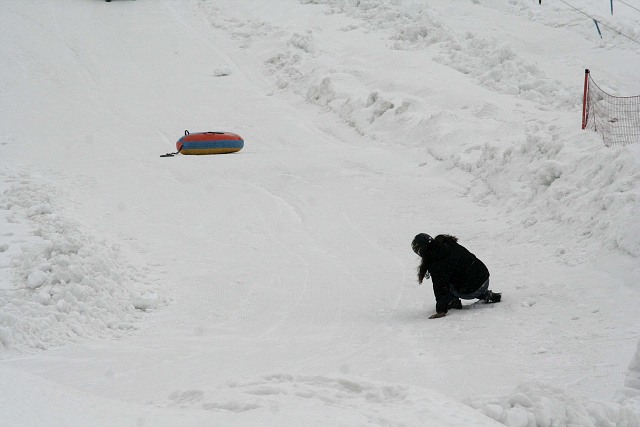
[584, 98]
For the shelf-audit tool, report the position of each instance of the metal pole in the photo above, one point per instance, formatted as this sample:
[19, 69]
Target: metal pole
[584, 99]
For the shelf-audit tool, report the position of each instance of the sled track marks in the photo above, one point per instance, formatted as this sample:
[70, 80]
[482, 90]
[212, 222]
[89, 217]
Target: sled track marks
[295, 212]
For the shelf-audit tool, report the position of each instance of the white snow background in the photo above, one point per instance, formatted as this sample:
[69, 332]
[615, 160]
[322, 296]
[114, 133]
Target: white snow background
[276, 285]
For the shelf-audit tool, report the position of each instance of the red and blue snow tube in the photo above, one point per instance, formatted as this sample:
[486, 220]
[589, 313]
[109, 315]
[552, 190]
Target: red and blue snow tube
[209, 143]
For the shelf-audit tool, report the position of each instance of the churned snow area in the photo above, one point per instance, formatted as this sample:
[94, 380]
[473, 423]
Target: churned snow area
[276, 286]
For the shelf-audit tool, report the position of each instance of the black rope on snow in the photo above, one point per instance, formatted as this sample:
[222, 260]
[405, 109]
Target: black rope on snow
[170, 154]
[186, 132]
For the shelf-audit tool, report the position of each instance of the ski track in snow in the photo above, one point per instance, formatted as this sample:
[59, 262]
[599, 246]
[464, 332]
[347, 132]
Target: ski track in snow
[281, 285]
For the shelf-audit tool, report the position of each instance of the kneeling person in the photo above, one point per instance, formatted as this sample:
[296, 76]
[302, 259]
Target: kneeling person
[455, 272]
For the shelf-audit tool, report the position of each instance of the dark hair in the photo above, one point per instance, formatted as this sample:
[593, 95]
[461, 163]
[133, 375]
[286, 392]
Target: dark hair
[423, 271]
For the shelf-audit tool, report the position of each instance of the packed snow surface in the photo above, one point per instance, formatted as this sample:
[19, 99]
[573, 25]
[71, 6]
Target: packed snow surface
[276, 285]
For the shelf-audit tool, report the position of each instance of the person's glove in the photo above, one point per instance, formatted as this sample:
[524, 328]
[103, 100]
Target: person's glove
[437, 315]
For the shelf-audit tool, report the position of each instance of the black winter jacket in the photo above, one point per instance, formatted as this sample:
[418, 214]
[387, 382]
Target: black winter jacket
[451, 266]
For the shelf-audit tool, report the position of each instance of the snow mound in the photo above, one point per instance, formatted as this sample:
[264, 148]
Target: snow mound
[328, 400]
[630, 394]
[538, 405]
[493, 64]
[542, 405]
[58, 282]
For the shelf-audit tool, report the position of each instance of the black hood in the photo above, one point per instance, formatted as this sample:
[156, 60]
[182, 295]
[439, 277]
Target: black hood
[420, 242]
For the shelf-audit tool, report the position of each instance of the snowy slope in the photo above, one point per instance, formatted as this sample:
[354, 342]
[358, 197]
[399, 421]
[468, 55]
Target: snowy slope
[276, 286]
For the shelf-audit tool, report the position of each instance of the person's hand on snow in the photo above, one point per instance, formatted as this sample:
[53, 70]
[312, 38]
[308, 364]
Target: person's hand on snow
[437, 315]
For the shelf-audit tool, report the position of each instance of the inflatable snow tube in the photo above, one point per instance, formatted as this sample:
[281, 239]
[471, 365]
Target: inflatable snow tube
[209, 143]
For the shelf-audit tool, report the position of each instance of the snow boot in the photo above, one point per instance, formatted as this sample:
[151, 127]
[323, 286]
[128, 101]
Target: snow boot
[491, 297]
[456, 304]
